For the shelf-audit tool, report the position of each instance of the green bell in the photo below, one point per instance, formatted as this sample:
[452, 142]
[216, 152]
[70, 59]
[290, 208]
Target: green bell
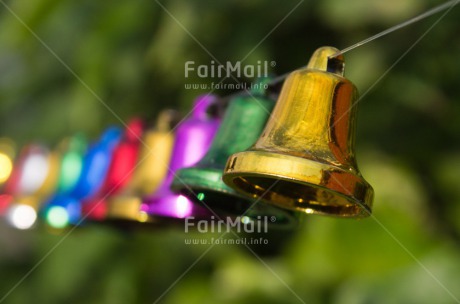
[242, 124]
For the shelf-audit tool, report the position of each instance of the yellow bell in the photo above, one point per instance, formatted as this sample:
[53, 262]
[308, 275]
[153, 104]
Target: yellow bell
[304, 159]
[155, 153]
[7, 153]
[156, 148]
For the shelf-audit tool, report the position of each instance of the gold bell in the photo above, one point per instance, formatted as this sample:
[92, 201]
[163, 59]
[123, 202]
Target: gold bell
[304, 159]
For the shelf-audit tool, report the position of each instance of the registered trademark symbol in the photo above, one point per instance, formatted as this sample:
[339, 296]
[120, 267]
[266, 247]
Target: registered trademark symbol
[273, 219]
[273, 64]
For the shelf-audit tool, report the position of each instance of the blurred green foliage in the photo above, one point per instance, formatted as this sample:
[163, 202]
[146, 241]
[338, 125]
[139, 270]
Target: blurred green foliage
[84, 57]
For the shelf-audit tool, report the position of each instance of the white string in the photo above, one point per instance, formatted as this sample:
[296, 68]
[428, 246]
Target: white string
[437, 9]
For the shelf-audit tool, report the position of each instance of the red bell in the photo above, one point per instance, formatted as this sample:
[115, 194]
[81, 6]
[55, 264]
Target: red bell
[120, 172]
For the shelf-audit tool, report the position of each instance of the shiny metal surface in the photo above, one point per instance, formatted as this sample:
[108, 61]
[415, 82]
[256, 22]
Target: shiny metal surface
[304, 159]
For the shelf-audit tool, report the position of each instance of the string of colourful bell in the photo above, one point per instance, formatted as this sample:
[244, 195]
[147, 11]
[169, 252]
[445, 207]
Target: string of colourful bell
[258, 159]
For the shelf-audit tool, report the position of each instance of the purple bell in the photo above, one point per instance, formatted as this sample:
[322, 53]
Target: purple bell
[193, 139]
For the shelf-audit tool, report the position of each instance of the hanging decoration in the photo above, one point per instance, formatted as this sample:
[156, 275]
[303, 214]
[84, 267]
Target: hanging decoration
[121, 168]
[267, 159]
[304, 159]
[7, 155]
[242, 123]
[264, 160]
[192, 140]
[56, 214]
[151, 168]
[95, 166]
[34, 178]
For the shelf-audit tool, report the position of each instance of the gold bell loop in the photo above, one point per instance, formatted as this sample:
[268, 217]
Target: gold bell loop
[304, 160]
